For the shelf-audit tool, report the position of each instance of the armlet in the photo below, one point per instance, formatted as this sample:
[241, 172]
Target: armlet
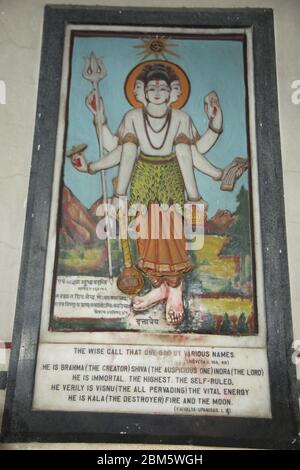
[183, 139]
[196, 137]
[129, 137]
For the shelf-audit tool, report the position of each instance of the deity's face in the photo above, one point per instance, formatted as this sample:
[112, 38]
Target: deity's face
[139, 91]
[157, 91]
[175, 91]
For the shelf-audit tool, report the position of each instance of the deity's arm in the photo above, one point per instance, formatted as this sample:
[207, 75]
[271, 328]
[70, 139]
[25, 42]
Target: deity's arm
[183, 141]
[109, 161]
[185, 161]
[110, 141]
[203, 165]
[128, 157]
[215, 126]
[207, 140]
[199, 161]
[129, 153]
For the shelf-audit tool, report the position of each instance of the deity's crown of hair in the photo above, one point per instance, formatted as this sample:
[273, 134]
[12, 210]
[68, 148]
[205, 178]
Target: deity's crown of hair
[157, 71]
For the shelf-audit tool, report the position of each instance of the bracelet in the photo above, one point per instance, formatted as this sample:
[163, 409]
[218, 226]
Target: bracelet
[115, 194]
[89, 170]
[194, 200]
[214, 129]
[218, 178]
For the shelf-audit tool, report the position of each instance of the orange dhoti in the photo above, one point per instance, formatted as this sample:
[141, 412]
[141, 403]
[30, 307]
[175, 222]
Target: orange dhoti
[162, 246]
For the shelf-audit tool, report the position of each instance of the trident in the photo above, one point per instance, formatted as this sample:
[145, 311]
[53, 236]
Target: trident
[94, 70]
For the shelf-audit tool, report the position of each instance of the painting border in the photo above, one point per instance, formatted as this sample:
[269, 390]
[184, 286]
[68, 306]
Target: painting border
[20, 423]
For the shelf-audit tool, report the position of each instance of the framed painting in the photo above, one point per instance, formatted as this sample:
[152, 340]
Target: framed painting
[154, 303]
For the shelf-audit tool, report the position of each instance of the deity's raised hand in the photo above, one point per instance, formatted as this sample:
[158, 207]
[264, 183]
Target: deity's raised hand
[212, 105]
[90, 102]
[79, 162]
[77, 157]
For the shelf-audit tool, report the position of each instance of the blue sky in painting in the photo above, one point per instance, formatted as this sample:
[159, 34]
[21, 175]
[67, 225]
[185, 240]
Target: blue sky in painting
[210, 65]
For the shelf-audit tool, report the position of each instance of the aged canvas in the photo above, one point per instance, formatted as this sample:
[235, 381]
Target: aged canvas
[158, 121]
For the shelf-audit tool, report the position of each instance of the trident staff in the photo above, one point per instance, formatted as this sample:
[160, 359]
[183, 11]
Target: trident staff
[94, 71]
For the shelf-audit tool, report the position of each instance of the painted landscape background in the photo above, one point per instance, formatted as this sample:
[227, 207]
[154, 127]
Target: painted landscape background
[218, 292]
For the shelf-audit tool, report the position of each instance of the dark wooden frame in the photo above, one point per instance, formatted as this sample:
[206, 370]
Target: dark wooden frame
[20, 423]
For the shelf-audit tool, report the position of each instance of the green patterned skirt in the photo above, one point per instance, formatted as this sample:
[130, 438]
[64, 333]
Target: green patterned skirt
[157, 179]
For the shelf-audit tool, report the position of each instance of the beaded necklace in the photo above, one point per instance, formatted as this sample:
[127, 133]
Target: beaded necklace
[166, 124]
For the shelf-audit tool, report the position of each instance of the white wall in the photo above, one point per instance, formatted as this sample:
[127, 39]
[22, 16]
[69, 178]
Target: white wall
[20, 48]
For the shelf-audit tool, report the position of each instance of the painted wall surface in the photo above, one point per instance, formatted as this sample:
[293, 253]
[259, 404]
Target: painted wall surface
[21, 23]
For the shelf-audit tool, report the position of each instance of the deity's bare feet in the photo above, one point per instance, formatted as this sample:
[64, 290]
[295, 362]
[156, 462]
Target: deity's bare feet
[149, 300]
[174, 307]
